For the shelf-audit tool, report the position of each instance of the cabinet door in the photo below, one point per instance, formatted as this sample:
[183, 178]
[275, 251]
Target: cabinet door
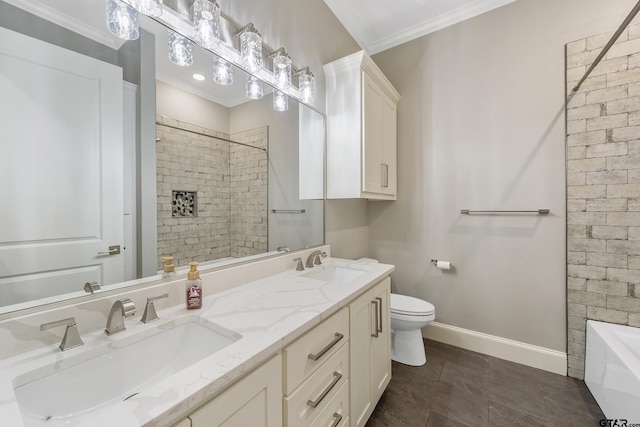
[381, 345]
[372, 115]
[361, 315]
[256, 401]
[389, 144]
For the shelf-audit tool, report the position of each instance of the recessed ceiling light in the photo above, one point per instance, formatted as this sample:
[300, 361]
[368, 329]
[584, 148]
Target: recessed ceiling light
[198, 77]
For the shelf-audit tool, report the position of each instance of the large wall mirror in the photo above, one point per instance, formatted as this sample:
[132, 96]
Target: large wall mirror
[113, 157]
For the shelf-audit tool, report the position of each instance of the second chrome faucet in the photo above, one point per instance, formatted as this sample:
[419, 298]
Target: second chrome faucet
[314, 258]
[120, 309]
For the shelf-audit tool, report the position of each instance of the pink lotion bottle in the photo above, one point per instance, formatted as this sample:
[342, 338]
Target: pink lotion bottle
[194, 287]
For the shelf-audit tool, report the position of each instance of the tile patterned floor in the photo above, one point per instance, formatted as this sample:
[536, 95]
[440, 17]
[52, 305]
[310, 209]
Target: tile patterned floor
[461, 388]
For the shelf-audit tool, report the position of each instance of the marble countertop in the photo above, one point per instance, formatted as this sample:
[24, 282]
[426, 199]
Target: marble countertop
[268, 313]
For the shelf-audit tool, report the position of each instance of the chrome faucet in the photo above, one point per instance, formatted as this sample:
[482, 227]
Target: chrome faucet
[119, 310]
[71, 337]
[299, 266]
[150, 310]
[314, 258]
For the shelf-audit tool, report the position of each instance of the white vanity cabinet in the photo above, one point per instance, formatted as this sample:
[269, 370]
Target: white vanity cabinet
[316, 375]
[332, 375]
[370, 350]
[255, 400]
[362, 130]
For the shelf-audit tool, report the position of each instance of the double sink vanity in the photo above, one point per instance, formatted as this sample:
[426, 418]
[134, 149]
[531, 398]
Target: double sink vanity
[271, 346]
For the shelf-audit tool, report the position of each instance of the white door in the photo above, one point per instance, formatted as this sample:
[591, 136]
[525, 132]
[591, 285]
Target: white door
[61, 197]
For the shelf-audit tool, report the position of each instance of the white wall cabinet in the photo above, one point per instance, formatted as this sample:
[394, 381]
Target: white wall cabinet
[370, 350]
[362, 130]
[255, 400]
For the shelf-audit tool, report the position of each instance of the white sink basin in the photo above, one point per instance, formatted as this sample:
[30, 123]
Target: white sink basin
[334, 273]
[60, 396]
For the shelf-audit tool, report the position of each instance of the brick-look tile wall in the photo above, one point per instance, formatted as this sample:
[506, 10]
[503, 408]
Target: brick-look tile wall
[249, 177]
[603, 189]
[191, 162]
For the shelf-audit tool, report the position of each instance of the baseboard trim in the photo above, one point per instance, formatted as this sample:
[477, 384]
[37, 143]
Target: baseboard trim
[502, 348]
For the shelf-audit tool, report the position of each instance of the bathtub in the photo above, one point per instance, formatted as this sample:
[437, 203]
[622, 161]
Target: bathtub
[612, 369]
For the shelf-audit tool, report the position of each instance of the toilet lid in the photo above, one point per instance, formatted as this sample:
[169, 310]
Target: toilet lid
[403, 304]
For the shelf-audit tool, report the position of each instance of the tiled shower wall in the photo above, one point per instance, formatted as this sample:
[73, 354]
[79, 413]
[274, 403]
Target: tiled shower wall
[603, 188]
[208, 166]
[249, 193]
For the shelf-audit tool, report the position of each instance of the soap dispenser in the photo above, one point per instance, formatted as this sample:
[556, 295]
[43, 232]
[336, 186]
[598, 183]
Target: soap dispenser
[194, 287]
[169, 269]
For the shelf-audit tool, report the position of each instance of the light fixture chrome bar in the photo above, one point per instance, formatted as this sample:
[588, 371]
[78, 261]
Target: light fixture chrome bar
[292, 211]
[538, 212]
[606, 48]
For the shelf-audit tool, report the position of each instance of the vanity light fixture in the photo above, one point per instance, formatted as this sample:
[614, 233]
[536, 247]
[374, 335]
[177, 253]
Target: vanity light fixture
[306, 85]
[280, 101]
[254, 88]
[180, 49]
[251, 48]
[151, 8]
[222, 71]
[122, 20]
[282, 68]
[206, 20]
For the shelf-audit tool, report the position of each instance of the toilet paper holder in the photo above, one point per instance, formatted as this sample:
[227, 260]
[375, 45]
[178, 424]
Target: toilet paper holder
[442, 265]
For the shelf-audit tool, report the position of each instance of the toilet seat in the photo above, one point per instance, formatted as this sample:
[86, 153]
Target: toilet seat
[410, 306]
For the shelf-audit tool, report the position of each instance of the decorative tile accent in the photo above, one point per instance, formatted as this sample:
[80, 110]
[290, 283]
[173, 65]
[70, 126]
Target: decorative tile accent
[184, 204]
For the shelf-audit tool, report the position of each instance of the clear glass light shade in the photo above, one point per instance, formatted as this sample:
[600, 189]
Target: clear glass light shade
[254, 88]
[122, 20]
[180, 50]
[251, 50]
[206, 19]
[148, 7]
[307, 87]
[282, 70]
[222, 72]
[280, 101]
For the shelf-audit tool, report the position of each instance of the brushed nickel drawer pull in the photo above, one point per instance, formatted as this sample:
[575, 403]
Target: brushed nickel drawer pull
[338, 337]
[380, 313]
[336, 378]
[336, 419]
[377, 328]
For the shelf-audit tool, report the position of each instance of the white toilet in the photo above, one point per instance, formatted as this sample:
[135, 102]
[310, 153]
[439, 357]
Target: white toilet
[408, 316]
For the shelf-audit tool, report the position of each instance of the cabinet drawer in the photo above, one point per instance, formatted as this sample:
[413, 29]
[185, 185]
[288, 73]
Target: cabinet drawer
[305, 355]
[313, 396]
[336, 413]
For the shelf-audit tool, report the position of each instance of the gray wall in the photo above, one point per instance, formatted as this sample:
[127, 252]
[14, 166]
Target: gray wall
[481, 126]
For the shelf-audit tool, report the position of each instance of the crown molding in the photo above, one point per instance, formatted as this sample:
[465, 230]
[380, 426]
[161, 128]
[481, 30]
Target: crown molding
[436, 23]
[47, 12]
[357, 28]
